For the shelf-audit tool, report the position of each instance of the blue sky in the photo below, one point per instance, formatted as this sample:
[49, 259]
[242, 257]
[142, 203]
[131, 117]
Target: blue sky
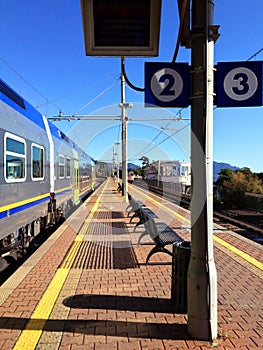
[42, 56]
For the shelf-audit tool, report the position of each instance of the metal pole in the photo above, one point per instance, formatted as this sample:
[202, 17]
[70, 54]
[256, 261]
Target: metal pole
[202, 279]
[117, 160]
[212, 287]
[124, 139]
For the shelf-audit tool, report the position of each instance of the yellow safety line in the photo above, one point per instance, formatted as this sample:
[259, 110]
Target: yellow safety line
[240, 253]
[229, 246]
[33, 330]
[166, 208]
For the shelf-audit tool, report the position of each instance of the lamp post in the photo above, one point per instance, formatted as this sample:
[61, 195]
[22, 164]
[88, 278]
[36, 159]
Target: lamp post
[117, 160]
[123, 105]
[202, 278]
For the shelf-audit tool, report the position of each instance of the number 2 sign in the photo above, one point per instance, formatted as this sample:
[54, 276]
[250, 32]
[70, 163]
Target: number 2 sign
[239, 84]
[166, 84]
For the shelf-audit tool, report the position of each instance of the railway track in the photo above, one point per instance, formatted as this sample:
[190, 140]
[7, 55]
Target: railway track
[231, 220]
[242, 227]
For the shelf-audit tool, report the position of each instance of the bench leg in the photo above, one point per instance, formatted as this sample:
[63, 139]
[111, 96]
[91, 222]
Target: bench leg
[145, 233]
[158, 249]
[138, 224]
[129, 212]
[134, 216]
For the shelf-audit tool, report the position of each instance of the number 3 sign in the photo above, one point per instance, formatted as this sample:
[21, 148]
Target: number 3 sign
[239, 84]
[166, 84]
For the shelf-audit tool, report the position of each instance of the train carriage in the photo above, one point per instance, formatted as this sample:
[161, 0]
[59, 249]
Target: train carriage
[43, 173]
[24, 178]
[174, 175]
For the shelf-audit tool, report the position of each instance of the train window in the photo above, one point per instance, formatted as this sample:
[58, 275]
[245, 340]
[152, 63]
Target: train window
[15, 158]
[61, 165]
[37, 161]
[67, 167]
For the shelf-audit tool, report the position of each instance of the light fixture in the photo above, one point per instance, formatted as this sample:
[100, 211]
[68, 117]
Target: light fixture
[121, 27]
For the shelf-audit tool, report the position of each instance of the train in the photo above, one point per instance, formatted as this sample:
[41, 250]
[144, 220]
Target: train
[131, 176]
[43, 175]
[170, 175]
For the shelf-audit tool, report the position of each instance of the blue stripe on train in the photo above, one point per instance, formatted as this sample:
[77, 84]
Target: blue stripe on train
[22, 207]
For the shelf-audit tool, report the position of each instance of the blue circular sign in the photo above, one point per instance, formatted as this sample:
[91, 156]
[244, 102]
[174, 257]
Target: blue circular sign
[166, 84]
[239, 84]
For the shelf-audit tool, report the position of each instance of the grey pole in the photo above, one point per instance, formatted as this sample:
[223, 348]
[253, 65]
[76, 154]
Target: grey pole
[202, 279]
[124, 119]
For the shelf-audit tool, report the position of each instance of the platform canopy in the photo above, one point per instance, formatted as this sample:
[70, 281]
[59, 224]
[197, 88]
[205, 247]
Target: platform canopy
[121, 27]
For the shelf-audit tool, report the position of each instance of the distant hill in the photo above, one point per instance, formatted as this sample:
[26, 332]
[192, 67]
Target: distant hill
[217, 167]
[132, 166]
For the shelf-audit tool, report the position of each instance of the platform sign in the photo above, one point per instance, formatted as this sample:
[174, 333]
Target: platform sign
[166, 84]
[239, 84]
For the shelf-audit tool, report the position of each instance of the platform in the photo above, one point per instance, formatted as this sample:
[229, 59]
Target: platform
[88, 287]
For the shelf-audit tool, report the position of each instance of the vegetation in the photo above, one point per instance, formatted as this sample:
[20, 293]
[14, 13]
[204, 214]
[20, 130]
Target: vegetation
[231, 186]
[145, 163]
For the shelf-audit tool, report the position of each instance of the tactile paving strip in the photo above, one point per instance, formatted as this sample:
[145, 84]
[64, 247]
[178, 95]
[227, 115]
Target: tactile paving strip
[105, 255]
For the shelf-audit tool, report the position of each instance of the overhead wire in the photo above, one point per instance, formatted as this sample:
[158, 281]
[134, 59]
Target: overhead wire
[167, 138]
[98, 96]
[73, 92]
[160, 132]
[22, 78]
[182, 14]
[255, 54]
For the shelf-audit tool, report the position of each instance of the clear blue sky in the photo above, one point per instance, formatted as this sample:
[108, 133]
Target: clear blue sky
[42, 56]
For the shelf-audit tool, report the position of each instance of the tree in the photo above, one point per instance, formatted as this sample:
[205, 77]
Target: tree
[232, 186]
[145, 161]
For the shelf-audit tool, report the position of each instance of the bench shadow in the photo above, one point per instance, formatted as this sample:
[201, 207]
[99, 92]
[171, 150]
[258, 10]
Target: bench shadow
[118, 302]
[105, 327]
[108, 327]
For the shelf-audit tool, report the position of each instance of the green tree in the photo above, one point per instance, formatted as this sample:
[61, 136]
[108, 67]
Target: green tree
[222, 184]
[145, 161]
[232, 186]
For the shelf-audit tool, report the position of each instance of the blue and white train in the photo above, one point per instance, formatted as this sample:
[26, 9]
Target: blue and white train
[43, 173]
[170, 174]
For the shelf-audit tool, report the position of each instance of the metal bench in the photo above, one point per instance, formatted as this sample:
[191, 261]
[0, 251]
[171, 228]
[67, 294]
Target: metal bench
[160, 233]
[134, 207]
[119, 187]
[144, 214]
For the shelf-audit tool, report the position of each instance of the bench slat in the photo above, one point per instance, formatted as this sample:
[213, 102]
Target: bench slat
[160, 232]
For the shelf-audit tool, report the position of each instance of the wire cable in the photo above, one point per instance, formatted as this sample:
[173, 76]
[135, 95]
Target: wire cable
[182, 16]
[22, 78]
[255, 54]
[126, 78]
[98, 96]
[160, 132]
[168, 137]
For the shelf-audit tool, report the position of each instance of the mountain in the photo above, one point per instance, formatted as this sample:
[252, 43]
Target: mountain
[132, 166]
[217, 167]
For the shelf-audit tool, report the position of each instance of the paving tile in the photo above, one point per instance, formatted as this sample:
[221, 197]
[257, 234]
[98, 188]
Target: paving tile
[113, 300]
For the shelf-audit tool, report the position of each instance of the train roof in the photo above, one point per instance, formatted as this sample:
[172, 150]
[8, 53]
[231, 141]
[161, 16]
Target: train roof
[14, 100]
[17, 102]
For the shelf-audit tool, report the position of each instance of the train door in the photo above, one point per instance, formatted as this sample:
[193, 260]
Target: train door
[76, 177]
[93, 176]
